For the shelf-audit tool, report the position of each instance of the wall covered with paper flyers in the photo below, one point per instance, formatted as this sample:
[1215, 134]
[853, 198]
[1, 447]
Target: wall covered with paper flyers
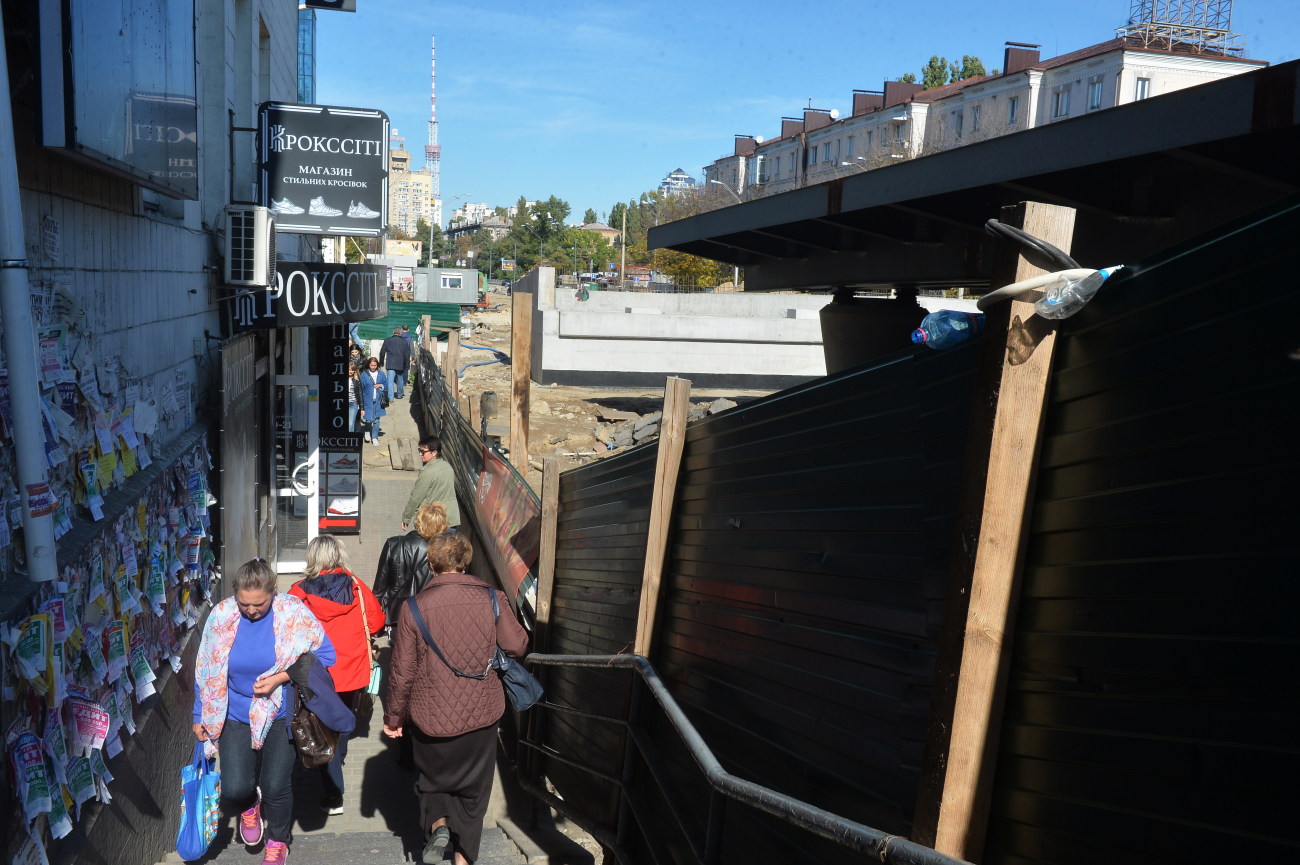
[77, 664]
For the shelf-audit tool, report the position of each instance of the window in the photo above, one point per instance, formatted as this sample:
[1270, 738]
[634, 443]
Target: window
[1094, 95]
[450, 281]
[900, 132]
[1012, 105]
[958, 121]
[975, 119]
[848, 149]
[1061, 103]
[866, 144]
[1143, 88]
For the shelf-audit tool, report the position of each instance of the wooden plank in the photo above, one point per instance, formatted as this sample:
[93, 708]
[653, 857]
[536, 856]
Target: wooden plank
[453, 363]
[426, 335]
[521, 370]
[472, 409]
[546, 553]
[672, 439]
[403, 454]
[1018, 389]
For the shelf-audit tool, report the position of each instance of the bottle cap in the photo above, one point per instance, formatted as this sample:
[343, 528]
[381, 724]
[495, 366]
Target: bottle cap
[918, 336]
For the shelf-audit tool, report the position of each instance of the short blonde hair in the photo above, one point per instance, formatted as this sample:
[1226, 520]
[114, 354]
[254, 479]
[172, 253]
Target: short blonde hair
[449, 552]
[326, 553]
[431, 519]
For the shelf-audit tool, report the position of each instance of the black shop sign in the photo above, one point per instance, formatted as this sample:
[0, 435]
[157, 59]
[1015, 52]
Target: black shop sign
[312, 294]
[323, 169]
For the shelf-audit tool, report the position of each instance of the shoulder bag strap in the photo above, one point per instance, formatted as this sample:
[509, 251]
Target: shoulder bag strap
[365, 622]
[428, 638]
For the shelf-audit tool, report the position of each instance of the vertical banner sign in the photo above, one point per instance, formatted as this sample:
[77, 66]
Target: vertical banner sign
[340, 450]
[323, 169]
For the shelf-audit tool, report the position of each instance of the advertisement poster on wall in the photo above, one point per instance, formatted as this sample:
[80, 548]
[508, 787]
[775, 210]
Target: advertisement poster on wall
[323, 169]
[340, 437]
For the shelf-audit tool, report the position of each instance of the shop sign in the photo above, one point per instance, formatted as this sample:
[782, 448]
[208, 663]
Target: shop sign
[311, 294]
[323, 169]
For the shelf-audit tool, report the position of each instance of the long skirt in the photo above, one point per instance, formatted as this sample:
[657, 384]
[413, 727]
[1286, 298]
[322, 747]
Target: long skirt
[455, 782]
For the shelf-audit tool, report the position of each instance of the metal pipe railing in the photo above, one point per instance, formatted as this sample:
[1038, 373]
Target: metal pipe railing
[882, 846]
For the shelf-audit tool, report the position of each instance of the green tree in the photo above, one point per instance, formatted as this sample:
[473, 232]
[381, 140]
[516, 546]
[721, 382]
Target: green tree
[971, 67]
[435, 243]
[935, 73]
[907, 78]
[589, 216]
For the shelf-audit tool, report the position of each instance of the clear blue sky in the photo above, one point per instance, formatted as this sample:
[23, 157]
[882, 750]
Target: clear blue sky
[595, 101]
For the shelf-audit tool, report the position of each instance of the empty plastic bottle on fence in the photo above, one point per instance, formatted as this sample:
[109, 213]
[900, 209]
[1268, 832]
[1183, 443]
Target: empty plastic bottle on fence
[1065, 297]
[948, 327]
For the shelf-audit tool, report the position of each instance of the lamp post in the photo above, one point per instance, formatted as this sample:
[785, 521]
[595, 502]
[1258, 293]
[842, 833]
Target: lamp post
[734, 193]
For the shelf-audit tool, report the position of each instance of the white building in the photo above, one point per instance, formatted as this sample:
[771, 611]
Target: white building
[902, 120]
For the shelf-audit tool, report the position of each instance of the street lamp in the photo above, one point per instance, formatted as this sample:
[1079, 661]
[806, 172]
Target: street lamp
[858, 162]
[734, 193]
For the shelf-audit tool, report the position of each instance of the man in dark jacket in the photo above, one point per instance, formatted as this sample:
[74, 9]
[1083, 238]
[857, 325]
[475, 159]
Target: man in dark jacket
[395, 356]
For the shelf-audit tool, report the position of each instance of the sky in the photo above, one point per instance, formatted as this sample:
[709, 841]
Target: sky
[595, 101]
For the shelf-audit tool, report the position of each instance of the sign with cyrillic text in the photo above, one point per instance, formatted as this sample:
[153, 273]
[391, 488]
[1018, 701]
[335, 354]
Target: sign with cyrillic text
[313, 293]
[323, 169]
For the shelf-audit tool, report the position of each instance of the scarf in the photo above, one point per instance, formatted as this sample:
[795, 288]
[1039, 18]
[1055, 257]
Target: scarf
[296, 631]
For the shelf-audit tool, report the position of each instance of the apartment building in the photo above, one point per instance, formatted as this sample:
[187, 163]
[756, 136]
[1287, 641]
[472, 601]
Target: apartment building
[903, 121]
[410, 192]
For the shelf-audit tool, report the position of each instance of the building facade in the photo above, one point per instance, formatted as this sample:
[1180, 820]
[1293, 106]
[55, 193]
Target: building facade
[410, 192]
[903, 121]
[139, 420]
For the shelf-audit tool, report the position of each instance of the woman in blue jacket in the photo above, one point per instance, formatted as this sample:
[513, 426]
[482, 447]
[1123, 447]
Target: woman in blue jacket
[374, 385]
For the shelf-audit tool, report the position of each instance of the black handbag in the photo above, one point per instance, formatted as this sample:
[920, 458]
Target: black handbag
[314, 742]
[522, 689]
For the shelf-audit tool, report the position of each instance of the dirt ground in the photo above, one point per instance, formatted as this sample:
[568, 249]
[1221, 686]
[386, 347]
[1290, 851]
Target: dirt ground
[563, 419]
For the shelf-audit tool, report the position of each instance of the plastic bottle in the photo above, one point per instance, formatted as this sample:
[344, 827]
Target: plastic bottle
[1065, 297]
[948, 327]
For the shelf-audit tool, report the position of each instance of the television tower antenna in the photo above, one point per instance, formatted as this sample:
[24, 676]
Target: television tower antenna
[432, 150]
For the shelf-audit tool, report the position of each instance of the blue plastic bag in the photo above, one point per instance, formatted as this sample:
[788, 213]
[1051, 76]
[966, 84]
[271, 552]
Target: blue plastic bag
[200, 805]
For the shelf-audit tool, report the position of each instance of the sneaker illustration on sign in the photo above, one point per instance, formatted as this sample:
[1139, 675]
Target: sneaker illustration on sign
[357, 210]
[284, 205]
[320, 208]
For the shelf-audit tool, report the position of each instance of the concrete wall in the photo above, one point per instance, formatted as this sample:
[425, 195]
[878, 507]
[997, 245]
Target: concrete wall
[636, 339]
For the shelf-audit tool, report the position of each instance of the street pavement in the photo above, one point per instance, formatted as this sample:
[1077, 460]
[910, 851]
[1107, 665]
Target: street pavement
[379, 824]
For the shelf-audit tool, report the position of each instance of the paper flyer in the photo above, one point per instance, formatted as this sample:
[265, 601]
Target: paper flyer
[87, 725]
[33, 784]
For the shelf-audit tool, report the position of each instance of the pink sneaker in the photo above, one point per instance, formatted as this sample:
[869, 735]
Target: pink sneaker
[277, 853]
[251, 823]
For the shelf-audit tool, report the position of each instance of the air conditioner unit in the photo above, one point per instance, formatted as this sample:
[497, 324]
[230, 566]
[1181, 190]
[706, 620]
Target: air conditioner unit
[250, 245]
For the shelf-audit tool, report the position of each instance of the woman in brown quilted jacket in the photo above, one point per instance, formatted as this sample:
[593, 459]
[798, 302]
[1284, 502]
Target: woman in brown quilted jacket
[451, 718]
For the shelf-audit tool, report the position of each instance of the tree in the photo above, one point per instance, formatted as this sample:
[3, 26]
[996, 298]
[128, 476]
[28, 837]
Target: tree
[435, 243]
[907, 78]
[971, 67]
[589, 217]
[935, 73]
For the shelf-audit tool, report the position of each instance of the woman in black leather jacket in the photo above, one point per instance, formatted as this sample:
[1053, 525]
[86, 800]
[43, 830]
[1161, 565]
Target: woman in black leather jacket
[403, 568]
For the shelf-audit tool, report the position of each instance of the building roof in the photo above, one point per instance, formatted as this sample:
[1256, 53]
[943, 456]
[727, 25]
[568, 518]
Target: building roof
[1206, 155]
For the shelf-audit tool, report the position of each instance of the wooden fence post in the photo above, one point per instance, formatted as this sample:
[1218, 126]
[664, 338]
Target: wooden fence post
[672, 439]
[1016, 390]
[546, 553]
[521, 369]
[453, 361]
[426, 325]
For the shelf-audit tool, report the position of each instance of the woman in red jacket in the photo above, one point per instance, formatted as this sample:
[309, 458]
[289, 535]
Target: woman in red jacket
[452, 719]
[350, 614]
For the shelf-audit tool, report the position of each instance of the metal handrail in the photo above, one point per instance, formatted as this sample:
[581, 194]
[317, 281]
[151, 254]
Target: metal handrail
[841, 830]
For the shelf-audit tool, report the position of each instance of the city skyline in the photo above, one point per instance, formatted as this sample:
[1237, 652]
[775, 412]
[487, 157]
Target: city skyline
[603, 102]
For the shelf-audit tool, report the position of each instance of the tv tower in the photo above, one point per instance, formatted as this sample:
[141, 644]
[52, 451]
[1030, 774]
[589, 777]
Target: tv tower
[432, 150]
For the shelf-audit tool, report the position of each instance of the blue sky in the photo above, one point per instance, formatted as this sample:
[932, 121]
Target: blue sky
[594, 102]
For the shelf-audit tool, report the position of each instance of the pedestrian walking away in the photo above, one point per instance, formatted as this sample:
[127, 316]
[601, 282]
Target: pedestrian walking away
[403, 568]
[374, 387]
[435, 483]
[241, 704]
[395, 356]
[451, 718]
[350, 614]
[355, 399]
